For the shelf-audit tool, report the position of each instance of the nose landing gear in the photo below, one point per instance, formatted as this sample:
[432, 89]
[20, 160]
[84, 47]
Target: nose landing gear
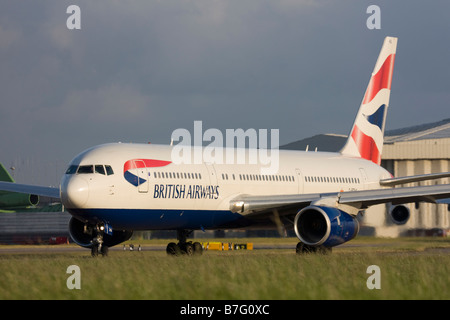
[98, 246]
[183, 246]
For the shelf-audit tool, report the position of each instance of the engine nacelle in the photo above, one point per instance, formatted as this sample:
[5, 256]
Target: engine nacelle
[399, 214]
[326, 226]
[81, 235]
[11, 200]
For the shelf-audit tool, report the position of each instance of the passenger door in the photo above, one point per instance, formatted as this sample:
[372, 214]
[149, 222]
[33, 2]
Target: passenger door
[298, 176]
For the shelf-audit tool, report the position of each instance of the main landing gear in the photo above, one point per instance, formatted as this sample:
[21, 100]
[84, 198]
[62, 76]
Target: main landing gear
[304, 248]
[183, 246]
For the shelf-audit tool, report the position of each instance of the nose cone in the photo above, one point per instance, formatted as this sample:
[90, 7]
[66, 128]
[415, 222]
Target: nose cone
[74, 192]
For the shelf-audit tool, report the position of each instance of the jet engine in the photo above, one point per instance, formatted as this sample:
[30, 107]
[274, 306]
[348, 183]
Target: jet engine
[324, 226]
[11, 200]
[399, 214]
[82, 234]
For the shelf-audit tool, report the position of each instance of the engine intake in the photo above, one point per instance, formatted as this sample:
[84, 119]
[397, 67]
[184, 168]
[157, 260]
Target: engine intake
[11, 200]
[399, 214]
[326, 226]
[83, 238]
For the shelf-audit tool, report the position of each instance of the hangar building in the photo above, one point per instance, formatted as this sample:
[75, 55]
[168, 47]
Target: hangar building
[419, 150]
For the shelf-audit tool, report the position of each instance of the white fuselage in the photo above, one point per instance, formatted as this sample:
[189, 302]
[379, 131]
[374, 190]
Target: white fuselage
[165, 195]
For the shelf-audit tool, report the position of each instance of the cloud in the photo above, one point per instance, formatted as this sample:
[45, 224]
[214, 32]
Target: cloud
[9, 38]
[104, 104]
[139, 69]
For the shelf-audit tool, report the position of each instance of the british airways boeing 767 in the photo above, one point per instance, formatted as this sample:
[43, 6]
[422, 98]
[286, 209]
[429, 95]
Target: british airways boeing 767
[113, 189]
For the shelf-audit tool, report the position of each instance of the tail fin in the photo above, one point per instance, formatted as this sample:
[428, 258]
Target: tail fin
[4, 175]
[367, 134]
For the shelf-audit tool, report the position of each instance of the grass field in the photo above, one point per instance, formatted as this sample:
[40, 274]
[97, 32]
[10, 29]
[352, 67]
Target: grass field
[410, 268]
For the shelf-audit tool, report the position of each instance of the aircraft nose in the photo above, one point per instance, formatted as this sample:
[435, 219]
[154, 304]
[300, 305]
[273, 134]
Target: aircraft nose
[75, 192]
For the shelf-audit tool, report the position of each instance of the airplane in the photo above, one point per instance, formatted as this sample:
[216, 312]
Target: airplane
[13, 201]
[114, 189]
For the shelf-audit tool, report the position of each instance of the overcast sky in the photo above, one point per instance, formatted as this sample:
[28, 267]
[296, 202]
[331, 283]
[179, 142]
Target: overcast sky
[137, 70]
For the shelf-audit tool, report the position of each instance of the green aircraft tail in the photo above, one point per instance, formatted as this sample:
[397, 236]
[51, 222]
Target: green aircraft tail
[12, 200]
[4, 175]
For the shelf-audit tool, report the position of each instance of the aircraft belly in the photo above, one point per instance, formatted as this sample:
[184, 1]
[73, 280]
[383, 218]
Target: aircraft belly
[160, 219]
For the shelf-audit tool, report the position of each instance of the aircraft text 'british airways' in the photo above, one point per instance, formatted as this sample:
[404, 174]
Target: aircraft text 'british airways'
[182, 191]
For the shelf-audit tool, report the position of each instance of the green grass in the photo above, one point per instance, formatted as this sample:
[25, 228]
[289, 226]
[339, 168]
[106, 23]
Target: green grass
[410, 269]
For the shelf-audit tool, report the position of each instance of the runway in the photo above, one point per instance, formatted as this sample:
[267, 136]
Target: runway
[390, 246]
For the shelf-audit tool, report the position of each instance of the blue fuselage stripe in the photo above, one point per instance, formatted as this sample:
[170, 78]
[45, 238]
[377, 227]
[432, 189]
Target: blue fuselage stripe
[159, 219]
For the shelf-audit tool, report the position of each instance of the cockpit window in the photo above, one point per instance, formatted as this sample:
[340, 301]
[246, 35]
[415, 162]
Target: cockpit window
[99, 169]
[85, 169]
[109, 170]
[72, 169]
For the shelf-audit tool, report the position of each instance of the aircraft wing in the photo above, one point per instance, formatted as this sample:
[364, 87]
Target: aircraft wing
[396, 195]
[253, 205]
[25, 188]
[401, 180]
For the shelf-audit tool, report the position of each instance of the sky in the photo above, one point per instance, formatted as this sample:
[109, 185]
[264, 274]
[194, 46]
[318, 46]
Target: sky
[138, 70]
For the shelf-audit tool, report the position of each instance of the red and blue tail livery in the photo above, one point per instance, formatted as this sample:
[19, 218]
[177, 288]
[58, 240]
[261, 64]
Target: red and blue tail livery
[135, 170]
[366, 138]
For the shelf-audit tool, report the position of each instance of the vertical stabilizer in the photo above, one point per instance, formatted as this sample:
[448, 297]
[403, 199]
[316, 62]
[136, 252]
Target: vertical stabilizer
[4, 174]
[367, 134]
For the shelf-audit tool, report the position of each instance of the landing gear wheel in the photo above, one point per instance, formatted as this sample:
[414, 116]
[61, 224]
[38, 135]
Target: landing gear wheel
[324, 250]
[304, 248]
[198, 249]
[173, 249]
[188, 249]
[104, 251]
[94, 251]
[183, 246]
